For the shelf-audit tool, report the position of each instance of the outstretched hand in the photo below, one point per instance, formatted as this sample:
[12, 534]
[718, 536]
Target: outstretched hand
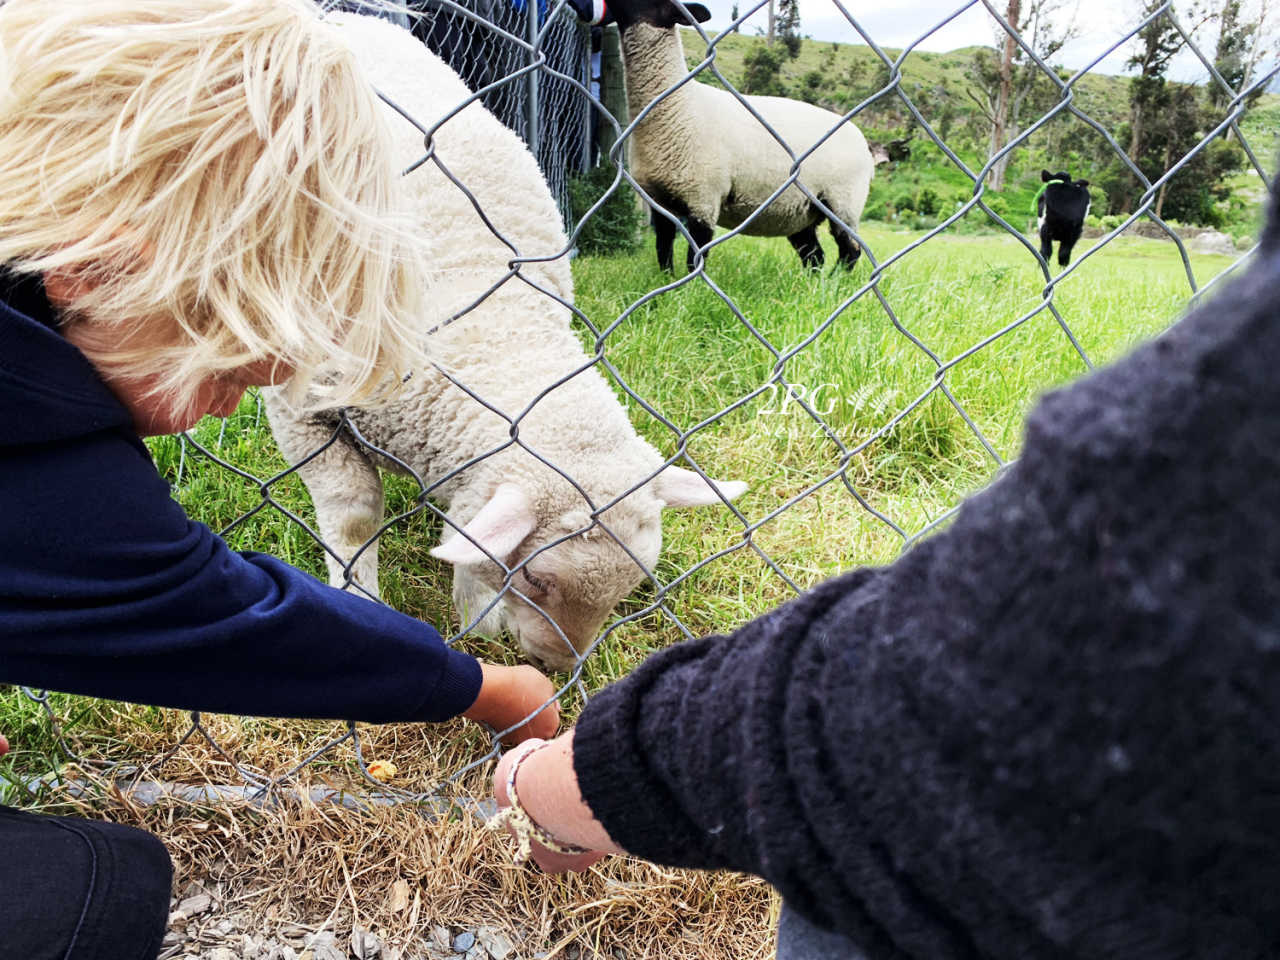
[549, 793]
[510, 694]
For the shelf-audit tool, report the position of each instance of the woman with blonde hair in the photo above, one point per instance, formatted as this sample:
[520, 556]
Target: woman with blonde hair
[195, 197]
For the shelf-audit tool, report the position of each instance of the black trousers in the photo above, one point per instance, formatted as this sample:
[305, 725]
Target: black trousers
[73, 889]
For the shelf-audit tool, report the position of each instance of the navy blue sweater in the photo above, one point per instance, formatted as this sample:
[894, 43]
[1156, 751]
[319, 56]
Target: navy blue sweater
[107, 588]
[1050, 731]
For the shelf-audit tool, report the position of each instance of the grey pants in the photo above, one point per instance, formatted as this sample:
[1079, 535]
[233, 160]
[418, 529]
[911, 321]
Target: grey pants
[798, 939]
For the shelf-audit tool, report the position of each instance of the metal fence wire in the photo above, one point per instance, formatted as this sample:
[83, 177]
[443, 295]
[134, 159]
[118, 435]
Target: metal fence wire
[491, 44]
[529, 68]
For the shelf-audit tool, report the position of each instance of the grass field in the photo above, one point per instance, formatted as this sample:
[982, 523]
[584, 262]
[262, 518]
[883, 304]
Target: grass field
[688, 355]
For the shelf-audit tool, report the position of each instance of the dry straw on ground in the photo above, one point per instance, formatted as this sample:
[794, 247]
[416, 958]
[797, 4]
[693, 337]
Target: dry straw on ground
[394, 870]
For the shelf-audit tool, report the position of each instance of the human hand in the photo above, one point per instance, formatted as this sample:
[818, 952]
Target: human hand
[4, 745]
[549, 794]
[508, 695]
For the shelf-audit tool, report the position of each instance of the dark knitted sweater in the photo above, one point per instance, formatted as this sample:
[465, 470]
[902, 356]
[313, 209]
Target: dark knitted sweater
[1052, 730]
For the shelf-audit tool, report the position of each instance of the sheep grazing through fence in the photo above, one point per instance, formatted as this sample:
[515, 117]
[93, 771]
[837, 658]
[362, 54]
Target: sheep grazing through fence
[702, 156]
[1060, 209]
[523, 533]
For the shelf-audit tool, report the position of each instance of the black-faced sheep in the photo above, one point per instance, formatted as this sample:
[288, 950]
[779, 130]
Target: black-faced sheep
[514, 346]
[701, 155]
[1061, 207]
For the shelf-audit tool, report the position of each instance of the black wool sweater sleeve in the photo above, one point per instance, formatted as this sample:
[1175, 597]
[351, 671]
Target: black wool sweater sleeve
[1048, 731]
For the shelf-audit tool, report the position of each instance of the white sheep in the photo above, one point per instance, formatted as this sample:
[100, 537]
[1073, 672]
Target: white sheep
[703, 156]
[514, 346]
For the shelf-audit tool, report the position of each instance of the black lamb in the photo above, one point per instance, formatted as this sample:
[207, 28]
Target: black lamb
[1061, 207]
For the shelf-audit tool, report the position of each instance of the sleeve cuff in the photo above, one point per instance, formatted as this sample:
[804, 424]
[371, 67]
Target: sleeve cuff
[632, 801]
[455, 690]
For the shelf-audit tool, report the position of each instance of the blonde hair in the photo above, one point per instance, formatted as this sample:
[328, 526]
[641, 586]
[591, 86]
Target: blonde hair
[220, 173]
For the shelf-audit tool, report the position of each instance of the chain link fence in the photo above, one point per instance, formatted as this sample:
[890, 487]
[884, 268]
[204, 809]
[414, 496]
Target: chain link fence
[492, 44]
[516, 59]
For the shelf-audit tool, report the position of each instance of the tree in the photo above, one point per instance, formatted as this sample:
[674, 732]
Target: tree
[1004, 80]
[789, 26]
[1174, 131]
[1263, 47]
[1243, 42]
[1157, 43]
[1234, 41]
[762, 72]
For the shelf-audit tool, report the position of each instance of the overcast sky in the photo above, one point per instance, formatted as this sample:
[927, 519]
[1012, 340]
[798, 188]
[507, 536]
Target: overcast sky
[895, 24]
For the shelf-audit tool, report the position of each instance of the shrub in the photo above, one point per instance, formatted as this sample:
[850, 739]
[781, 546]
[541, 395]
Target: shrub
[928, 202]
[1097, 198]
[615, 227]
[762, 72]
[998, 204]
[876, 210]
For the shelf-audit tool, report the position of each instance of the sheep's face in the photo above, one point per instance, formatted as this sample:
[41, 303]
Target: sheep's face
[568, 572]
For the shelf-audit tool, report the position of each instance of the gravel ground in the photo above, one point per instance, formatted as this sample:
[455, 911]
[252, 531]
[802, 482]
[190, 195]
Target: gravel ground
[202, 927]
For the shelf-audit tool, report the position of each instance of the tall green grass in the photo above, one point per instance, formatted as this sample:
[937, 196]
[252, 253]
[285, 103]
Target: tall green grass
[691, 357]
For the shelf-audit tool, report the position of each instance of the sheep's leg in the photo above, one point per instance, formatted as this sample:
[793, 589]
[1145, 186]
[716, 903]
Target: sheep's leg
[1066, 246]
[702, 234]
[848, 247]
[806, 244]
[665, 232]
[1046, 244]
[345, 488]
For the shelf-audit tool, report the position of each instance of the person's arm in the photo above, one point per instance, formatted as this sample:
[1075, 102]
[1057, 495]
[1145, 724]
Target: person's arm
[108, 589]
[1076, 673]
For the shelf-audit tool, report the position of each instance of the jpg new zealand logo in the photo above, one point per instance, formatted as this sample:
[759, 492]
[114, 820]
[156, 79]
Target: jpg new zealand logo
[821, 399]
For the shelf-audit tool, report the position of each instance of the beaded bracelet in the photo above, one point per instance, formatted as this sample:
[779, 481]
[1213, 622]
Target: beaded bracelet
[517, 818]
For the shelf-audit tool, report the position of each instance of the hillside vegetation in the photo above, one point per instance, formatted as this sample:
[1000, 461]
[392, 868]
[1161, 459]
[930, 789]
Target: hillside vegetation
[1218, 190]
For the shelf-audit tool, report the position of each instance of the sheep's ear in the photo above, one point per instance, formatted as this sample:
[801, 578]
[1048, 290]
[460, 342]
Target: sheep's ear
[496, 530]
[668, 14]
[1082, 183]
[1046, 176]
[698, 12]
[679, 487]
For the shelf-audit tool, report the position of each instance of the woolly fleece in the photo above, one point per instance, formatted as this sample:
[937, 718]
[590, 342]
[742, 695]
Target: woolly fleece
[512, 343]
[702, 146]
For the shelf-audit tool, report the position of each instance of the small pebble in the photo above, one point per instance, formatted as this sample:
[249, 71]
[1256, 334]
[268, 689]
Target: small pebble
[463, 941]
